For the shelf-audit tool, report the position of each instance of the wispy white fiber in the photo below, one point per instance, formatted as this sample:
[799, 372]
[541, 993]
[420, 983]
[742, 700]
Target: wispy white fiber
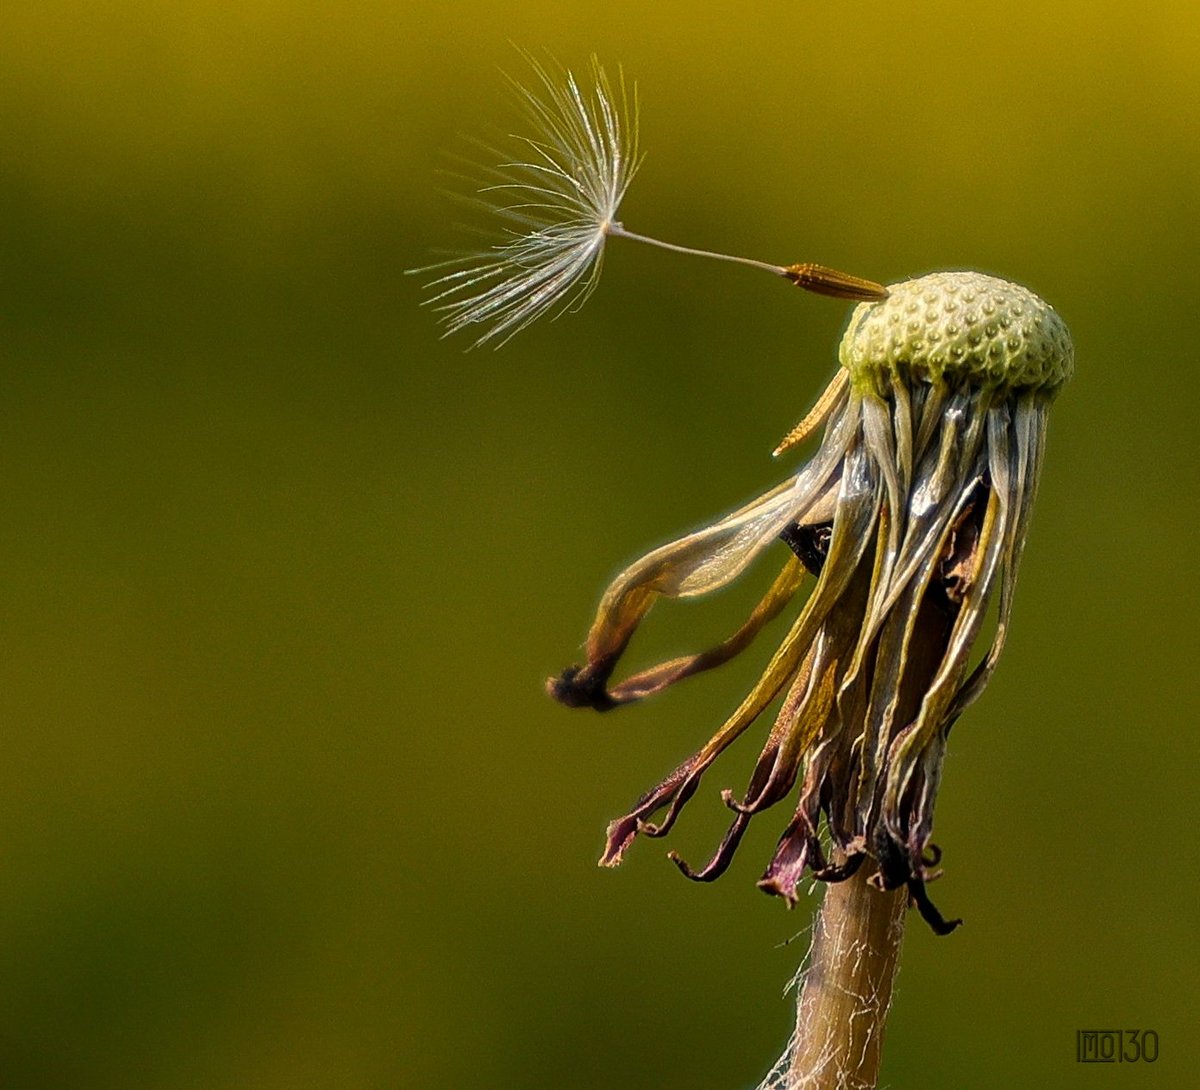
[557, 194]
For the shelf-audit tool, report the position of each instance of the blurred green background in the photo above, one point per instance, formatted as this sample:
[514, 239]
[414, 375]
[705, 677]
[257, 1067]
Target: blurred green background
[282, 803]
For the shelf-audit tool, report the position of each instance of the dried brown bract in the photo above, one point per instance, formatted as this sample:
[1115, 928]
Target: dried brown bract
[911, 515]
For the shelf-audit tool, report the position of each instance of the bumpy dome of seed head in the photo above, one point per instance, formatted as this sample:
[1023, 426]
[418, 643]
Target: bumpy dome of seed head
[958, 326]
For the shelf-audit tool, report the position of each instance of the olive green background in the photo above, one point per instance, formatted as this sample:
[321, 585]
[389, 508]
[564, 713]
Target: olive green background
[282, 803]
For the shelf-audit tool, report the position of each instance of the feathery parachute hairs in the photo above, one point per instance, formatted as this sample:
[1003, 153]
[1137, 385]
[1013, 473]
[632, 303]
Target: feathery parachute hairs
[557, 196]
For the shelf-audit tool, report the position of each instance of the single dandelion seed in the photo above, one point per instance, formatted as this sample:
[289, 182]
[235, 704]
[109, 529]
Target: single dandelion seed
[556, 196]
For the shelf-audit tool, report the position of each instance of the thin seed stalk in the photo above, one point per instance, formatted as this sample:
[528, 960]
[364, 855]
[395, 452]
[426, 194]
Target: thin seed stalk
[847, 990]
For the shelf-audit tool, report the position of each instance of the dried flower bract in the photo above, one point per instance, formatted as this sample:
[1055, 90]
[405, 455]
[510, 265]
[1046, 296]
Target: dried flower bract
[912, 515]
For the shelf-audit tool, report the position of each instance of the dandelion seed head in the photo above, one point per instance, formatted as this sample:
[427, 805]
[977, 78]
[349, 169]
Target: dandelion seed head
[911, 516]
[555, 192]
[959, 326]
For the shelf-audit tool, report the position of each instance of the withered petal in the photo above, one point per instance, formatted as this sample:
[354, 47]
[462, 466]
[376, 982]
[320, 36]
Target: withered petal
[929, 911]
[905, 750]
[622, 831]
[721, 859]
[926, 490]
[657, 678]
[699, 563]
[681, 784]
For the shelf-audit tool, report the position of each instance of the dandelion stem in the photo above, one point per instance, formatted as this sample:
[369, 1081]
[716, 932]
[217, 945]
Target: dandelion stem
[847, 991]
[842, 1006]
[819, 279]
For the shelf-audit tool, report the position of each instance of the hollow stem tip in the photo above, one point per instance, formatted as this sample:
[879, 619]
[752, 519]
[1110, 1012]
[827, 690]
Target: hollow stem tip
[822, 280]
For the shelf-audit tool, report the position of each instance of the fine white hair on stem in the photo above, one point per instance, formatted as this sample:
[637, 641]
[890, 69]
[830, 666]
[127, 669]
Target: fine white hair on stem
[557, 194]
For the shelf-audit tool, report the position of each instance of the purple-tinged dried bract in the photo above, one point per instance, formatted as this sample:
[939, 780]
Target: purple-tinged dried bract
[912, 515]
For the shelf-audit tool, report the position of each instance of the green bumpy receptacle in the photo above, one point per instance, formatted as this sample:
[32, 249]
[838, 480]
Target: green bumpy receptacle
[958, 327]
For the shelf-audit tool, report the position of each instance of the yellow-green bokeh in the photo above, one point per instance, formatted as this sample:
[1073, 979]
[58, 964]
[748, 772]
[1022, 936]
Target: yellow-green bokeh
[282, 804]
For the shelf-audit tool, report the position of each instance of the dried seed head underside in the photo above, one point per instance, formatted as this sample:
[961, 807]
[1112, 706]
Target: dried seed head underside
[911, 516]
